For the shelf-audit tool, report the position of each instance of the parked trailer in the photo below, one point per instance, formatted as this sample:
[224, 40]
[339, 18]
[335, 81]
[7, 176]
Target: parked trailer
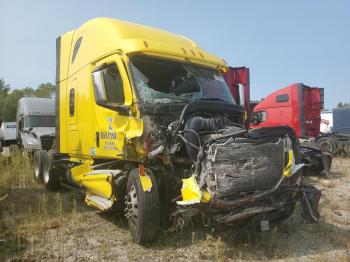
[336, 135]
[146, 122]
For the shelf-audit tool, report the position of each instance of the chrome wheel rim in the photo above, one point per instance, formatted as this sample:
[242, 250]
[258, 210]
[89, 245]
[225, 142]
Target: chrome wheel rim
[36, 169]
[132, 212]
[46, 174]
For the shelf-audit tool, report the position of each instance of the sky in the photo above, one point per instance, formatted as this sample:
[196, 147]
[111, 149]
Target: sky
[282, 42]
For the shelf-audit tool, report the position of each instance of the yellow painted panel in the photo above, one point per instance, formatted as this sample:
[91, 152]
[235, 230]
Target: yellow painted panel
[103, 36]
[98, 184]
[190, 191]
[79, 171]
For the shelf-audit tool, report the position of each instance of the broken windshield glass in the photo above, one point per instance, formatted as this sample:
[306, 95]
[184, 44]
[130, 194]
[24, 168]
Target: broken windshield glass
[164, 81]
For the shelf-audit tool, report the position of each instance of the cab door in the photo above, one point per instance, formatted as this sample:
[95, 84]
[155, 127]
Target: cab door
[114, 121]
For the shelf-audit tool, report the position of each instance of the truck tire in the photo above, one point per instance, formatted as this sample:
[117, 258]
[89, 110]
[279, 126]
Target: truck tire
[37, 166]
[329, 144]
[50, 178]
[13, 149]
[346, 149]
[143, 208]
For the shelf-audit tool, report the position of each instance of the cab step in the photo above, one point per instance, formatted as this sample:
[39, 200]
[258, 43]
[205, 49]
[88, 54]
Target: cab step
[101, 203]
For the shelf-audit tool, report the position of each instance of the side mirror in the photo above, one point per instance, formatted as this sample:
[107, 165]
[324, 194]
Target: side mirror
[258, 117]
[27, 130]
[20, 124]
[255, 119]
[100, 90]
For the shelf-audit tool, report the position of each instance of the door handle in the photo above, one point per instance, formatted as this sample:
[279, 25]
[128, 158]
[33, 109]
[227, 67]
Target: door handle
[97, 139]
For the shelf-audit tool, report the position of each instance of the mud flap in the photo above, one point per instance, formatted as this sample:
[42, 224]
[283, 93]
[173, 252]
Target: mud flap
[145, 179]
[146, 183]
[327, 163]
[310, 197]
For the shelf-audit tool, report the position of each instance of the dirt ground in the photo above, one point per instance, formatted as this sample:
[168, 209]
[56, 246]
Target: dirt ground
[37, 225]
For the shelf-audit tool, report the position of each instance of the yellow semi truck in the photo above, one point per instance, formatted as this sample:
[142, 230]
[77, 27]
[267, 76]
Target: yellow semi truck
[146, 124]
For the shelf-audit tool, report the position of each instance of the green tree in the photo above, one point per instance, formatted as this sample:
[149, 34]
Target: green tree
[45, 90]
[4, 92]
[9, 99]
[341, 104]
[9, 113]
[4, 88]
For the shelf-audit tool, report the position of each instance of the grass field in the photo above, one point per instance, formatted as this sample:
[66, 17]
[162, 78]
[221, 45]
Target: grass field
[36, 225]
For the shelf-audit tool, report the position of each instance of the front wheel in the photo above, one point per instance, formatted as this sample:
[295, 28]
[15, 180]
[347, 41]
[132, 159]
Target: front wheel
[142, 208]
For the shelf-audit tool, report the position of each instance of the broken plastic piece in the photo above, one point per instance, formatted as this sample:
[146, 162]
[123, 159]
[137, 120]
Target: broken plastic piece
[190, 191]
[206, 196]
[287, 172]
[264, 225]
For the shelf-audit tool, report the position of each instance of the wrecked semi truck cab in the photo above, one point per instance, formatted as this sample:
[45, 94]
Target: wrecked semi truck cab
[145, 123]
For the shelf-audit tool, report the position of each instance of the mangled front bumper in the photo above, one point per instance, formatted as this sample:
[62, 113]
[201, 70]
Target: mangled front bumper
[239, 198]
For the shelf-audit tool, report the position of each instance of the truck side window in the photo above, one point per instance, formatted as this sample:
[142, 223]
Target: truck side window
[282, 98]
[71, 102]
[76, 49]
[108, 86]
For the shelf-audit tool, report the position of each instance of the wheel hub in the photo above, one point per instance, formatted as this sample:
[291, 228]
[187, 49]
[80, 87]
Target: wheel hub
[131, 209]
[36, 169]
[46, 175]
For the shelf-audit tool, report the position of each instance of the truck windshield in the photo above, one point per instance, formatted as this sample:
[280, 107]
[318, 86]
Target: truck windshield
[40, 121]
[165, 81]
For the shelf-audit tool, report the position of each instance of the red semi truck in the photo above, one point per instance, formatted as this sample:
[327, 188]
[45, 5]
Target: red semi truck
[297, 106]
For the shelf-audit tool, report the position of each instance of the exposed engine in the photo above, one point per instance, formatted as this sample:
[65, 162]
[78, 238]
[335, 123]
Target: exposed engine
[240, 169]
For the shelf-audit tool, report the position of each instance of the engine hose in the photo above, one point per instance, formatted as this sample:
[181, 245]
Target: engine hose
[188, 143]
[181, 119]
[182, 161]
[198, 124]
[195, 133]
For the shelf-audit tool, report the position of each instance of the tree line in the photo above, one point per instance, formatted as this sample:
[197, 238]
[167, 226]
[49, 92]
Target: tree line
[341, 104]
[9, 97]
